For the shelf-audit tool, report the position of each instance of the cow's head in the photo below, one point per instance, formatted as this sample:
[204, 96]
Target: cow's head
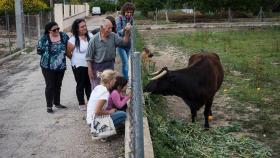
[160, 83]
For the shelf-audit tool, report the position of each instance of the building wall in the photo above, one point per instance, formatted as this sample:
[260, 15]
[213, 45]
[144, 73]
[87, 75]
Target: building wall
[64, 15]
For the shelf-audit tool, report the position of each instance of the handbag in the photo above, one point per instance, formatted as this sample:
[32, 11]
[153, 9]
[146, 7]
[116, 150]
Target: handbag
[102, 127]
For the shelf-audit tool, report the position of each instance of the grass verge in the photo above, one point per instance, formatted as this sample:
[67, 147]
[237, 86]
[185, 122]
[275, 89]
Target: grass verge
[251, 60]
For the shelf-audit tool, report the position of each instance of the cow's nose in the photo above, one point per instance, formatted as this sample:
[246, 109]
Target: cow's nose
[150, 55]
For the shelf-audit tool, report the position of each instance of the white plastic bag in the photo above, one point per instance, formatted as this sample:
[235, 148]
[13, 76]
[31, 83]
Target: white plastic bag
[102, 127]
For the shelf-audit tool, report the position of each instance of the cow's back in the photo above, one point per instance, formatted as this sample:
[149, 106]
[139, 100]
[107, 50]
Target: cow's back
[211, 67]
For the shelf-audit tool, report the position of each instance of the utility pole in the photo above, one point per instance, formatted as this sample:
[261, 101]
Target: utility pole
[19, 24]
[51, 12]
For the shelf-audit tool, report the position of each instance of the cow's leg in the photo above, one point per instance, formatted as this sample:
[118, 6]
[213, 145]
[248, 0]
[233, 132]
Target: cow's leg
[193, 111]
[208, 112]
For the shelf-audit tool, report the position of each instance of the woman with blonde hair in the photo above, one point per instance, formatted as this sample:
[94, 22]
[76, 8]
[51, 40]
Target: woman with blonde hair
[99, 97]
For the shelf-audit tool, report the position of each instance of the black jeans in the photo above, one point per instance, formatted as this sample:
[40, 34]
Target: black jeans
[83, 83]
[53, 81]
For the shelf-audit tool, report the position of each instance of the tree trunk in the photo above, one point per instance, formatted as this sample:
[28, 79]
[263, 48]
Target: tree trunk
[166, 15]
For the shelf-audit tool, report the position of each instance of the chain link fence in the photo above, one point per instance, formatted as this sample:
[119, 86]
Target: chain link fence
[193, 15]
[33, 28]
[135, 110]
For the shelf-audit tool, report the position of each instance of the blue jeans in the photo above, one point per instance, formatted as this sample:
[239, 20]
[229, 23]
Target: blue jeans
[124, 55]
[118, 118]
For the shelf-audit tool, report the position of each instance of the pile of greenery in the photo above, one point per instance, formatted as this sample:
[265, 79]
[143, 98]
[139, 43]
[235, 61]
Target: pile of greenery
[176, 138]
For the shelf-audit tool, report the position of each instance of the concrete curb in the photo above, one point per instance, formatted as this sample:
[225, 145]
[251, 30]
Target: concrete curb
[208, 25]
[11, 56]
[148, 145]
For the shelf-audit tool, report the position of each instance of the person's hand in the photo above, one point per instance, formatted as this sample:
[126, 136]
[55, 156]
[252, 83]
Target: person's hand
[90, 74]
[129, 94]
[112, 110]
[128, 27]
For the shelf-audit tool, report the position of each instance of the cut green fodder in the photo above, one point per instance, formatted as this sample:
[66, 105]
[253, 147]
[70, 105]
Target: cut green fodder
[190, 140]
[178, 138]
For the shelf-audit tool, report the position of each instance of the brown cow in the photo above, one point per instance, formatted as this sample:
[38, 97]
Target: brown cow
[195, 84]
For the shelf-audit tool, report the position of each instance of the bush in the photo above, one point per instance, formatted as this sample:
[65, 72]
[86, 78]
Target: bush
[104, 5]
[29, 6]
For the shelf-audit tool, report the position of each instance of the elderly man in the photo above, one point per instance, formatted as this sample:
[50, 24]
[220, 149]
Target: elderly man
[101, 51]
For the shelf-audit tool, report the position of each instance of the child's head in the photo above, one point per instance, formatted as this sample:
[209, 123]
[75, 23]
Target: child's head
[120, 83]
[107, 77]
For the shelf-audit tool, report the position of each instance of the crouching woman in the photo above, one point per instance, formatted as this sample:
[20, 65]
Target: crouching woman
[99, 97]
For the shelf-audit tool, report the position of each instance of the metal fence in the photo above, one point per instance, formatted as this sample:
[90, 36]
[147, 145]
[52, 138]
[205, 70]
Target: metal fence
[33, 29]
[195, 16]
[136, 133]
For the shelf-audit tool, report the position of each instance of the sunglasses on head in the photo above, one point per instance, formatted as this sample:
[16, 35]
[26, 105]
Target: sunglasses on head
[56, 29]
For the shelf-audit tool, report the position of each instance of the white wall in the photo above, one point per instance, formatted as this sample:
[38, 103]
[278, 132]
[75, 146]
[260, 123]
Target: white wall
[66, 11]
[64, 16]
[58, 15]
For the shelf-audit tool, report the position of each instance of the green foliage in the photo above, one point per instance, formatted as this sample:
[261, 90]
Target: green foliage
[75, 2]
[206, 6]
[215, 6]
[29, 6]
[147, 5]
[106, 6]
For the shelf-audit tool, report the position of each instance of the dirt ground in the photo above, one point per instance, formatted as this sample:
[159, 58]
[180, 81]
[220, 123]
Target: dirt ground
[27, 130]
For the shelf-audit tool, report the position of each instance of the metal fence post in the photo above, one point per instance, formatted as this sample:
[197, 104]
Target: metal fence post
[38, 24]
[8, 30]
[229, 15]
[137, 112]
[194, 15]
[137, 107]
[28, 29]
[19, 24]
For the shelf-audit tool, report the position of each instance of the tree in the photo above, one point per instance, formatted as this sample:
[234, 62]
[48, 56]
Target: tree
[28, 5]
[75, 2]
[148, 5]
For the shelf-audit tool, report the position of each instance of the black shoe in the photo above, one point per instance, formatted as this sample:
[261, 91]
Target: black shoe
[49, 110]
[60, 106]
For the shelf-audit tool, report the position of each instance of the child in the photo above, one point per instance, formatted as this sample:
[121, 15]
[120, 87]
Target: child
[118, 97]
[98, 100]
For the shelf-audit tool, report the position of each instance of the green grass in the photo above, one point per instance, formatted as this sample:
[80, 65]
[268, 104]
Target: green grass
[256, 55]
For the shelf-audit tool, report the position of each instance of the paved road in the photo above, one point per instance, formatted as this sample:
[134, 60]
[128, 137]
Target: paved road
[27, 130]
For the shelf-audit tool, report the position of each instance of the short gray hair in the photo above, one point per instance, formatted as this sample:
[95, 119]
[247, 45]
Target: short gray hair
[105, 22]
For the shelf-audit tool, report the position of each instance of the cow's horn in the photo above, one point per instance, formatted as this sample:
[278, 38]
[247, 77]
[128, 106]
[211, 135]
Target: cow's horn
[159, 75]
[158, 72]
[155, 73]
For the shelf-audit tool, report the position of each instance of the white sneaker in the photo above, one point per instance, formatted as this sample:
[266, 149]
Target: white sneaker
[83, 107]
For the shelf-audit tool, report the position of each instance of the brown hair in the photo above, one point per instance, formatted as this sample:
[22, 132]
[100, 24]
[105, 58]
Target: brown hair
[127, 6]
[120, 82]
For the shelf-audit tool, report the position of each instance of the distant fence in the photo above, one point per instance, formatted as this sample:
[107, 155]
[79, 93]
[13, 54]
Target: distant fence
[194, 15]
[33, 28]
